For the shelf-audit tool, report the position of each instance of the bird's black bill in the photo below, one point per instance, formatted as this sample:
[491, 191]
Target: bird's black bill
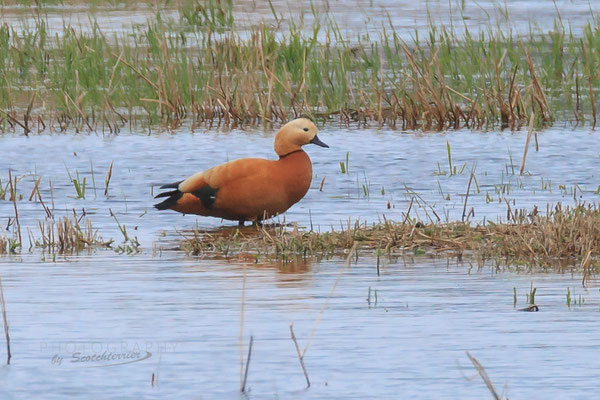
[318, 142]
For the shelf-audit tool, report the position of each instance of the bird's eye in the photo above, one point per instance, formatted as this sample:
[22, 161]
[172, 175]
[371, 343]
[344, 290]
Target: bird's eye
[305, 129]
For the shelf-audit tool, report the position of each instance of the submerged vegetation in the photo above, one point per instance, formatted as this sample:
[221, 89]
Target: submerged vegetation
[562, 237]
[205, 69]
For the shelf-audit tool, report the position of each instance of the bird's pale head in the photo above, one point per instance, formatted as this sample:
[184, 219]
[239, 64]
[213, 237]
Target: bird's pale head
[295, 134]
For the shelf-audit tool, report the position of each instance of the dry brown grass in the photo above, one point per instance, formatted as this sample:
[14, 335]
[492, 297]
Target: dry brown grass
[562, 236]
[68, 236]
[3, 244]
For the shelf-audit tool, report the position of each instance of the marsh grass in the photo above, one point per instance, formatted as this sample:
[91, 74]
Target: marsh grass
[562, 237]
[202, 70]
[3, 244]
[69, 235]
[130, 245]
[78, 184]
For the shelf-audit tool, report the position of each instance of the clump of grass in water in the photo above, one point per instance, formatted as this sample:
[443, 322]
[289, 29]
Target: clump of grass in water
[3, 244]
[562, 236]
[531, 295]
[267, 73]
[572, 300]
[344, 165]
[130, 245]
[78, 184]
[451, 166]
[67, 235]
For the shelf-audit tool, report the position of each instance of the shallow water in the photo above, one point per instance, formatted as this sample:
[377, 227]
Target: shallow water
[352, 16]
[411, 343]
[387, 170]
[403, 334]
[185, 311]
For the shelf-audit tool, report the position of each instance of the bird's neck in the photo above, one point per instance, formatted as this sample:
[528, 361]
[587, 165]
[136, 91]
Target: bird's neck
[291, 153]
[283, 147]
[296, 162]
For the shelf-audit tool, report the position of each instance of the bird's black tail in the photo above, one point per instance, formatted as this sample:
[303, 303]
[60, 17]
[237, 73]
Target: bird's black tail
[171, 196]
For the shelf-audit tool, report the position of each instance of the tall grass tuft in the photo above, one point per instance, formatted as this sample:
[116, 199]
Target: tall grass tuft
[68, 235]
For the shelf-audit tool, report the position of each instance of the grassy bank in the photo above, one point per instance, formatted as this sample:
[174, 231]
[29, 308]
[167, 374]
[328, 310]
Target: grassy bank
[201, 70]
[562, 237]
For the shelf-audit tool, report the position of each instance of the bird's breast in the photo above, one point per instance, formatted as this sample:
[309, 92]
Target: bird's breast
[296, 175]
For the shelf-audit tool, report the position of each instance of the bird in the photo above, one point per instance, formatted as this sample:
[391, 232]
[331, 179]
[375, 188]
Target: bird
[250, 189]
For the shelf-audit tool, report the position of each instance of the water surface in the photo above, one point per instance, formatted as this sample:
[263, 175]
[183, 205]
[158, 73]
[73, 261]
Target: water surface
[409, 18]
[387, 170]
[407, 338]
[410, 343]
[400, 335]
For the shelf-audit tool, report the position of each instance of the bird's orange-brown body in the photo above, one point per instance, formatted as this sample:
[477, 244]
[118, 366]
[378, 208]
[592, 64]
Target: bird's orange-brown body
[250, 189]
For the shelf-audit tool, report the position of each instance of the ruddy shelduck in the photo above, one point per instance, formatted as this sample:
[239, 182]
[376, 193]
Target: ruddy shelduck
[250, 189]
